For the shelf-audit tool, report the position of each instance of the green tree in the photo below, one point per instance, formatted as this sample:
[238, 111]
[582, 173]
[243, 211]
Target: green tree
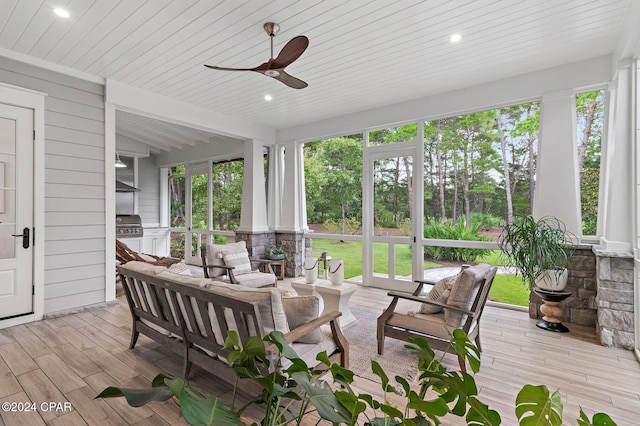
[333, 179]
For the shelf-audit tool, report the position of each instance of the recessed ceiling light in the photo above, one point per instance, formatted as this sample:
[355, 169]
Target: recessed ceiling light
[455, 38]
[267, 98]
[61, 12]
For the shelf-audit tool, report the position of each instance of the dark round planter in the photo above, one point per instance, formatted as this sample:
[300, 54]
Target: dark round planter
[276, 257]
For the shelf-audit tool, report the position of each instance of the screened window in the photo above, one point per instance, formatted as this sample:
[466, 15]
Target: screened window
[333, 183]
[590, 121]
[389, 135]
[177, 196]
[226, 194]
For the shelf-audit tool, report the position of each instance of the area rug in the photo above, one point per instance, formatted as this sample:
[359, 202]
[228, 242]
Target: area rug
[396, 361]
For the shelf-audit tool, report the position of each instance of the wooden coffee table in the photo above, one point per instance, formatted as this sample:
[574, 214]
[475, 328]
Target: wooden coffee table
[331, 297]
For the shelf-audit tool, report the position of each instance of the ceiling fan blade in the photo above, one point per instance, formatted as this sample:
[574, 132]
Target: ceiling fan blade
[290, 81]
[213, 67]
[290, 52]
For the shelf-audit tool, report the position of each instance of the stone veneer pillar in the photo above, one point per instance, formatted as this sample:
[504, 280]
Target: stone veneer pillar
[293, 242]
[580, 308]
[615, 324]
[296, 246]
[257, 242]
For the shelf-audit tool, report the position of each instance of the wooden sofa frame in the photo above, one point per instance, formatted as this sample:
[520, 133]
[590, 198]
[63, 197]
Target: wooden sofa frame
[147, 294]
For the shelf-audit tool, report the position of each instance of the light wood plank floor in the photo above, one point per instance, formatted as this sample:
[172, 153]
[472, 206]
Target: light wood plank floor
[70, 359]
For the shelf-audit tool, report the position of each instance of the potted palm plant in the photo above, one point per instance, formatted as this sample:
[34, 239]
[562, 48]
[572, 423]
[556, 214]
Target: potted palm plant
[540, 249]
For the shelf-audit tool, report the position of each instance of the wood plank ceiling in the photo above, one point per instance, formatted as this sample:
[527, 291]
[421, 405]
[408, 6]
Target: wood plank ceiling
[362, 54]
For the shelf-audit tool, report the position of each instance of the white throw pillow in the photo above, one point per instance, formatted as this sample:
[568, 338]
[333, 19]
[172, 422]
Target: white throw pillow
[214, 256]
[239, 259]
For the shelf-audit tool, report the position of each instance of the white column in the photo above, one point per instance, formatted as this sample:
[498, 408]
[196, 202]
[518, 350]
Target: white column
[557, 190]
[294, 214]
[253, 216]
[110, 200]
[164, 197]
[616, 204]
[276, 179]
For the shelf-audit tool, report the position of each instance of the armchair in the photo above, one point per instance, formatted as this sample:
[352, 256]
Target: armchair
[463, 308]
[233, 260]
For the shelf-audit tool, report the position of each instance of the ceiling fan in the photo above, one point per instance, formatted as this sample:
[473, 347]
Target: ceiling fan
[274, 68]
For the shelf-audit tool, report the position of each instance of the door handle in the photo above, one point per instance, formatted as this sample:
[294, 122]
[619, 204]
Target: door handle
[25, 237]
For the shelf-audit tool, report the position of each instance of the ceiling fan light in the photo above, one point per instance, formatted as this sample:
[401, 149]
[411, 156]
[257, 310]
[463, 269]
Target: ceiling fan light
[272, 73]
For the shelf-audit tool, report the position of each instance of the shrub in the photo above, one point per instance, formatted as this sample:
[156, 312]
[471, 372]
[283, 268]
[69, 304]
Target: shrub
[351, 226]
[484, 220]
[331, 226]
[447, 231]
[405, 227]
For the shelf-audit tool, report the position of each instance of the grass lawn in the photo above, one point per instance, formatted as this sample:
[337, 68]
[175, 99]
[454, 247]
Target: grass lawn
[505, 288]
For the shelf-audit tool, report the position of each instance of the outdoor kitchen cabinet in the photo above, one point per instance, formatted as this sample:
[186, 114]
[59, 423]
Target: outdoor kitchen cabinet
[155, 241]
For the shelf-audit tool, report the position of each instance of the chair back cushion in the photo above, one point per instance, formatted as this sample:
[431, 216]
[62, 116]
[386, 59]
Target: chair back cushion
[463, 293]
[238, 259]
[214, 256]
[439, 293]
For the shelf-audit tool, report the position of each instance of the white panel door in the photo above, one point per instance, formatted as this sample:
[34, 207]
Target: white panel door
[16, 211]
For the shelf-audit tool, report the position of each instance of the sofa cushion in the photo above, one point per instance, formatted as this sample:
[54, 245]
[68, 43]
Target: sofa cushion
[214, 256]
[255, 279]
[432, 324]
[143, 267]
[300, 310]
[463, 292]
[238, 259]
[184, 279]
[269, 301]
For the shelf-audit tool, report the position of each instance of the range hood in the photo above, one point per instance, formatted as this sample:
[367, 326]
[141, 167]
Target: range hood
[123, 187]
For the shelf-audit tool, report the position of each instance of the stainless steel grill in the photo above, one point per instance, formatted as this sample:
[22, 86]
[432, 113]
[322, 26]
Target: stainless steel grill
[128, 226]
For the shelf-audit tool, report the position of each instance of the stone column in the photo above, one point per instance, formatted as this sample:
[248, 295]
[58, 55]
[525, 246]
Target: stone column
[580, 307]
[615, 326]
[294, 210]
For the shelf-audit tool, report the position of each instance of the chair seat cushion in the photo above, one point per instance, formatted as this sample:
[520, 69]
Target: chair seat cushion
[256, 279]
[431, 324]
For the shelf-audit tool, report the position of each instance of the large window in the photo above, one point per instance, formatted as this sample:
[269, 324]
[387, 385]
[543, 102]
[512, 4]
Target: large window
[333, 183]
[590, 120]
[226, 194]
[479, 173]
[210, 216]
[480, 167]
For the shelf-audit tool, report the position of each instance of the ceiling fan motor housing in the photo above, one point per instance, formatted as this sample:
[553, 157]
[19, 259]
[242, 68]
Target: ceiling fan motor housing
[271, 28]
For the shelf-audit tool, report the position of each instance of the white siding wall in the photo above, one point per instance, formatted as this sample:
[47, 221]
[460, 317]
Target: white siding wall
[149, 195]
[74, 184]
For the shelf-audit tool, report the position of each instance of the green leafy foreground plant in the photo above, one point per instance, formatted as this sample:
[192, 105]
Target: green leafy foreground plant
[290, 394]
